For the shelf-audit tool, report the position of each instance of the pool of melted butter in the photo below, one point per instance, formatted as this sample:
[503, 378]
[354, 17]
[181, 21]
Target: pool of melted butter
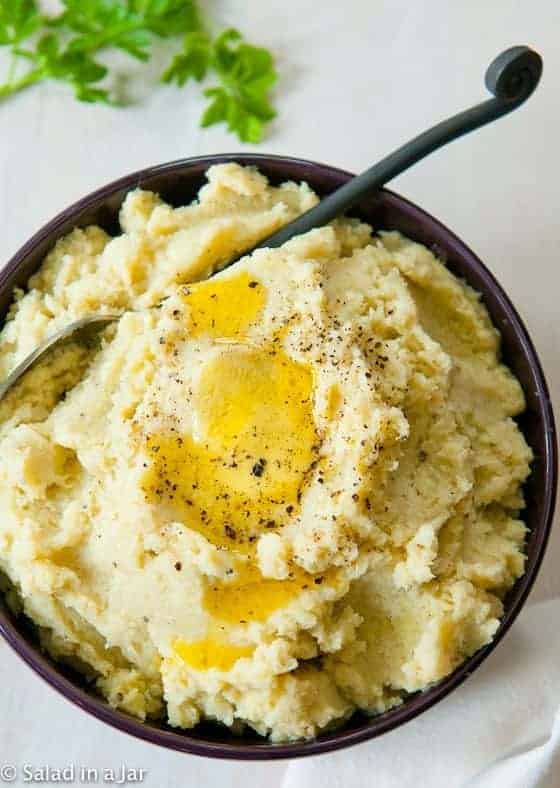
[251, 597]
[243, 473]
[224, 307]
[209, 653]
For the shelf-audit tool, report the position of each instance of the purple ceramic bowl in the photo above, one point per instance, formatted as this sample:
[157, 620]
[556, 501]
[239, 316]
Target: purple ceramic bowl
[178, 183]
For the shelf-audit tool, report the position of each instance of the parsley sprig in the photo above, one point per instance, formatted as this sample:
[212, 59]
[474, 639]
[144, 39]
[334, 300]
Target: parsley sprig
[65, 48]
[245, 76]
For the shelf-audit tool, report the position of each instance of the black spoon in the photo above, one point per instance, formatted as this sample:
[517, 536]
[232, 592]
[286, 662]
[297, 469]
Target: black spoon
[511, 78]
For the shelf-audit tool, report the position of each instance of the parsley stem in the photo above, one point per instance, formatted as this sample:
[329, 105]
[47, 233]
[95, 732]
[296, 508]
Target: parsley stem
[9, 88]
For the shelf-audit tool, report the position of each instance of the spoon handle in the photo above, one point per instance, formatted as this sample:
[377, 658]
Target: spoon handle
[511, 78]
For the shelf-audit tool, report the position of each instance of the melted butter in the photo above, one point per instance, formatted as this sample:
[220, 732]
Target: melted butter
[252, 597]
[208, 653]
[256, 443]
[224, 307]
[242, 470]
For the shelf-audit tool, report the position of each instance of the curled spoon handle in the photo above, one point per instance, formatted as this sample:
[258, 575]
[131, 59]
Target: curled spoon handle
[511, 78]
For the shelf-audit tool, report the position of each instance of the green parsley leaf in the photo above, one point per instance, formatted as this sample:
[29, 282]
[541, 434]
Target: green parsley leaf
[168, 17]
[217, 110]
[247, 75]
[91, 95]
[67, 65]
[19, 19]
[193, 62]
[104, 23]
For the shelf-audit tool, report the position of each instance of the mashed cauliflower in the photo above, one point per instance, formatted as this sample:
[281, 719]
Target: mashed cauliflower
[271, 497]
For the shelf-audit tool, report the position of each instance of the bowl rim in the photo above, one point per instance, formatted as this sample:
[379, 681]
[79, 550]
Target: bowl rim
[337, 739]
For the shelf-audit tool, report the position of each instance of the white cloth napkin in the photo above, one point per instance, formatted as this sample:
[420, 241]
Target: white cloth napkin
[500, 729]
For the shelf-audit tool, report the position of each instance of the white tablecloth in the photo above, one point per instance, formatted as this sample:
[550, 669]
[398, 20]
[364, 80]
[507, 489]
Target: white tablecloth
[358, 78]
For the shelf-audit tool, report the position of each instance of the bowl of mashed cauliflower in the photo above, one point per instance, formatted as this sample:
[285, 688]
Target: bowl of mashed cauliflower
[283, 506]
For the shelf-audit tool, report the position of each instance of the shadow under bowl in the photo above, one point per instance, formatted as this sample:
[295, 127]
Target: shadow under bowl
[178, 183]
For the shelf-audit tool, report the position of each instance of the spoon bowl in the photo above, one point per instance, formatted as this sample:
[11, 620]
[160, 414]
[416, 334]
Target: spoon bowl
[82, 333]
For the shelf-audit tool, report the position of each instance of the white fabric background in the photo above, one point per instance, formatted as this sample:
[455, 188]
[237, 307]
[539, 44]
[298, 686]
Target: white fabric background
[359, 77]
